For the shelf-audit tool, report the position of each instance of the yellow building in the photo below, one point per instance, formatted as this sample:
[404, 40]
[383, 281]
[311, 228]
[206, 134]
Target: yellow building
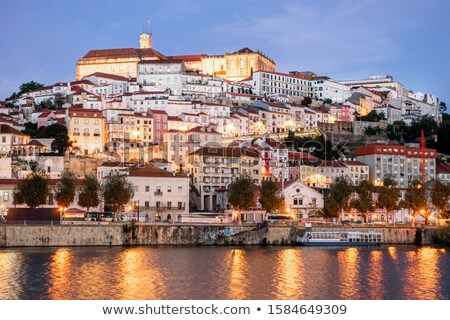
[121, 62]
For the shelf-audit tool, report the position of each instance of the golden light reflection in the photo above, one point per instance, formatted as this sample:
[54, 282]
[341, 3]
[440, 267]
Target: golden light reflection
[375, 275]
[134, 267]
[10, 264]
[290, 283]
[238, 274]
[348, 261]
[60, 271]
[393, 253]
[422, 274]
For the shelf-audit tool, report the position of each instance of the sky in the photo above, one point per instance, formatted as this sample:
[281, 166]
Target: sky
[343, 39]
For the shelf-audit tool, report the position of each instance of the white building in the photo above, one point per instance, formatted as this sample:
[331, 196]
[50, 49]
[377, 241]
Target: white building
[327, 88]
[267, 83]
[301, 200]
[161, 75]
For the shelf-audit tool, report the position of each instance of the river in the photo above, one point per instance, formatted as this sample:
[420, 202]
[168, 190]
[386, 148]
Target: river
[385, 272]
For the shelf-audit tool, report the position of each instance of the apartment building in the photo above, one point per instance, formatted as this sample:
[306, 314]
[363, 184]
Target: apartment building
[86, 129]
[402, 163]
[213, 168]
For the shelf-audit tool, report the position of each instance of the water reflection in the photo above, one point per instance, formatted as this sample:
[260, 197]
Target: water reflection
[238, 274]
[289, 282]
[348, 272]
[60, 271]
[422, 274]
[400, 272]
[375, 275]
[10, 283]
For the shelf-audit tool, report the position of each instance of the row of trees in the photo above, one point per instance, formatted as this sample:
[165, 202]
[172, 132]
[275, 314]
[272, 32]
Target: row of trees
[35, 189]
[343, 195]
[240, 195]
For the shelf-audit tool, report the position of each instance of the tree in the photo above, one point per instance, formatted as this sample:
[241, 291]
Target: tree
[90, 192]
[30, 129]
[33, 190]
[415, 199]
[306, 101]
[118, 191]
[53, 130]
[388, 195]
[340, 190]
[270, 197]
[363, 203]
[29, 86]
[240, 194]
[440, 194]
[65, 189]
[374, 116]
[330, 207]
[61, 143]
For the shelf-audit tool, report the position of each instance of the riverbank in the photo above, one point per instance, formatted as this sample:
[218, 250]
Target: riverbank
[149, 235]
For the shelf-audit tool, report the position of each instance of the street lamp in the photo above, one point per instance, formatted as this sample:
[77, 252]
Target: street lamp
[61, 210]
[136, 205]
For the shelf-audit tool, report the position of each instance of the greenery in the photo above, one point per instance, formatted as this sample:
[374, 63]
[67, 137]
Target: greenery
[442, 107]
[65, 189]
[363, 203]
[388, 195]
[118, 191]
[33, 190]
[327, 101]
[130, 227]
[330, 207]
[240, 194]
[90, 193]
[323, 148]
[415, 199]
[339, 194]
[30, 129]
[270, 197]
[26, 87]
[61, 143]
[371, 131]
[440, 196]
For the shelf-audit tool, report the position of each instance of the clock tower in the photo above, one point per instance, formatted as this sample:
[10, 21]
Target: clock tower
[145, 40]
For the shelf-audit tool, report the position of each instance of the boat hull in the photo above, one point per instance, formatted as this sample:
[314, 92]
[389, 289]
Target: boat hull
[343, 244]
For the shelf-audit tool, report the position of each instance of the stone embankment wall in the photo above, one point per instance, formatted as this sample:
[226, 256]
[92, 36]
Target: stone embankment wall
[112, 235]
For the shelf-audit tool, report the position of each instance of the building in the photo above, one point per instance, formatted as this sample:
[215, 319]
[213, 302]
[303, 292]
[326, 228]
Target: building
[402, 163]
[86, 129]
[443, 172]
[374, 81]
[326, 88]
[269, 83]
[121, 62]
[301, 200]
[9, 137]
[159, 75]
[160, 195]
[213, 168]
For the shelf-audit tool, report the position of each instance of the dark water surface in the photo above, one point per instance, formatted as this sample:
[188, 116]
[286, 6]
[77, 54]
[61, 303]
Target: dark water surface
[386, 272]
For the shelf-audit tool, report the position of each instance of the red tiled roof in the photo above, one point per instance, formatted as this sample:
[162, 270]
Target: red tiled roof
[107, 76]
[394, 150]
[442, 168]
[125, 53]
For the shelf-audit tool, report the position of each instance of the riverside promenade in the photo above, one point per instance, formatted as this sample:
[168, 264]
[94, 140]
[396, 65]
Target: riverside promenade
[184, 234]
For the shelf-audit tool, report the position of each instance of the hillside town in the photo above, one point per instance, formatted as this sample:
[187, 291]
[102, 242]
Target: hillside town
[183, 130]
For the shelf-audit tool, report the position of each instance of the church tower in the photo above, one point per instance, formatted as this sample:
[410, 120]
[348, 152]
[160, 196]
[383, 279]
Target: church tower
[145, 40]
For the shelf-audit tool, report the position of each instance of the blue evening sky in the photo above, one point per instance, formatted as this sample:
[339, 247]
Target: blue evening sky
[409, 39]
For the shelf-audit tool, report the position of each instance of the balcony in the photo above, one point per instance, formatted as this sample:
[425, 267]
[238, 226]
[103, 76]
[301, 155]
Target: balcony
[158, 193]
[86, 134]
[76, 133]
[96, 134]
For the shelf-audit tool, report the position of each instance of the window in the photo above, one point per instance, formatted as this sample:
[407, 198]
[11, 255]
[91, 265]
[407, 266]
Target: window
[6, 197]
[136, 188]
[158, 204]
[169, 205]
[76, 121]
[86, 121]
[147, 188]
[147, 205]
[169, 189]
[180, 189]
[180, 205]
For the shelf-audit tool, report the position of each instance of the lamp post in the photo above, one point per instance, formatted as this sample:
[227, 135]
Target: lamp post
[61, 210]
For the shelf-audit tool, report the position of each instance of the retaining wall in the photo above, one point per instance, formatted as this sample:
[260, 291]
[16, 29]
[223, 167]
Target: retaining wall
[115, 235]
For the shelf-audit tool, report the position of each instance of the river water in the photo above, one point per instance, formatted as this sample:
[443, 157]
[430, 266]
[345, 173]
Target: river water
[385, 272]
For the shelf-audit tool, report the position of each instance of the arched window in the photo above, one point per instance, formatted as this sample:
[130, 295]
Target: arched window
[232, 64]
[242, 64]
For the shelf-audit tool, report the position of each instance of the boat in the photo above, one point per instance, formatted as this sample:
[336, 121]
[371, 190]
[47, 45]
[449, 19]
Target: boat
[340, 238]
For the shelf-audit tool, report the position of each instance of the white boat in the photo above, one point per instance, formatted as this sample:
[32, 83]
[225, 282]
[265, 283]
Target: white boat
[340, 238]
